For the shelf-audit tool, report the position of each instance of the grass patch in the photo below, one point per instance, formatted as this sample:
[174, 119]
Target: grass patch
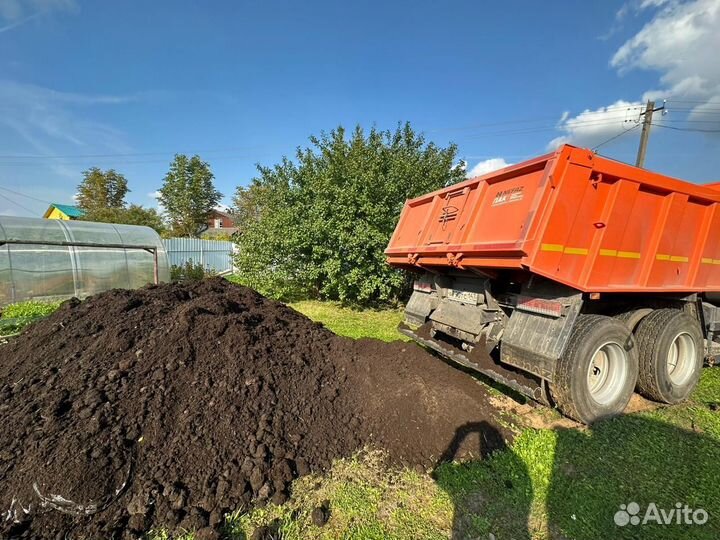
[568, 483]
[367, 500]
[15, 317]
[378, 324]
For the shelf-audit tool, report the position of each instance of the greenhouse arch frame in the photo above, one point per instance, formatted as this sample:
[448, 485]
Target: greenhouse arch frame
[53, 259]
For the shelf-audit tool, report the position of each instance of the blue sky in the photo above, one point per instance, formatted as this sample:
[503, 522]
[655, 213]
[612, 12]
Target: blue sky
[127, 84]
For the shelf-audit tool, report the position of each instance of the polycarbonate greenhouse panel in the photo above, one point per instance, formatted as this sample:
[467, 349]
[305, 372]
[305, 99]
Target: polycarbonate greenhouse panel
[6, 284]
[41, 271]
[50, 259]
[589, 222]
[140, 265]
[95, 233]
[100, 269]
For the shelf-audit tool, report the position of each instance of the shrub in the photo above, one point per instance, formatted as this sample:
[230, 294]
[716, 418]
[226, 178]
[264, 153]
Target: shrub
[190, 271]
[317, 227]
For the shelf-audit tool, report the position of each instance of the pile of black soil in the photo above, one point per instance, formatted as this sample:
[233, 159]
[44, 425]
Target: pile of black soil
[172, 405]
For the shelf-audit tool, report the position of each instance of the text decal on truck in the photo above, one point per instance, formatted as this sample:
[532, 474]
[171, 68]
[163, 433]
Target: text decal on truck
[508, 196]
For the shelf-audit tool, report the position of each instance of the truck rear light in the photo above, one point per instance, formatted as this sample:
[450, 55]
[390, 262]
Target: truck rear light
[552, 308]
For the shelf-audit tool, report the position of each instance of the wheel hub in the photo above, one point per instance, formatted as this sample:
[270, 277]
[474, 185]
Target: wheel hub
[681, 358]
[607, 372]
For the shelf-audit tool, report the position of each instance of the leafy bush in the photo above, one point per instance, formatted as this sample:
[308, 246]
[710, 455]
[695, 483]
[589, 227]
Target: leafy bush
[317, 227]
[190, 271]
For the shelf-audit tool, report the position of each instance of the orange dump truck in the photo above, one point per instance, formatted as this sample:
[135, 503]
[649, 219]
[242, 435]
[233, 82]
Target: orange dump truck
[571, 278]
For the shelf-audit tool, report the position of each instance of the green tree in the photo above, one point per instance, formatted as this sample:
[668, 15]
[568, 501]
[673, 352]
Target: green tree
[248, 203]
[188, 195]
[134, 214]
[317, 226]
[102, 189]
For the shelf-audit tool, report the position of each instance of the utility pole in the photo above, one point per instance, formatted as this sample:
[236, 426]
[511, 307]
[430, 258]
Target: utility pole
[645, 135]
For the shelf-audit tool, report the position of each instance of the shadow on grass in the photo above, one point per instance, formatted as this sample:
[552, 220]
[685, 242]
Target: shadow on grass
[570, 483]
[633, 459]
[484, 496]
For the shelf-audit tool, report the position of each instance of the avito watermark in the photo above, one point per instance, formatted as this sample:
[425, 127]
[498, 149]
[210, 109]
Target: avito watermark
[680, 514]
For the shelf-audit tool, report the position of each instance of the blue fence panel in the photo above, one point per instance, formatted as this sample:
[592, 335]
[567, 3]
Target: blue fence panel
[214, 255]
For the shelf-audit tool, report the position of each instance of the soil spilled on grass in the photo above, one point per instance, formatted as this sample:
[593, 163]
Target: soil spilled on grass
[172, 405]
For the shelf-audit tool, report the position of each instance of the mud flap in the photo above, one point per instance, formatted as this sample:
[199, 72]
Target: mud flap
[522, 383]
[533, 342]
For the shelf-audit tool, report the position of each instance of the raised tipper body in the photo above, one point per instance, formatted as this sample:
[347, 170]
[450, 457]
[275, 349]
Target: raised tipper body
[518, 258]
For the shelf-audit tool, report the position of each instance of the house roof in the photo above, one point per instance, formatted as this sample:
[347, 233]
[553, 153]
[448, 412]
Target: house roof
[67, 209]
[220, 212]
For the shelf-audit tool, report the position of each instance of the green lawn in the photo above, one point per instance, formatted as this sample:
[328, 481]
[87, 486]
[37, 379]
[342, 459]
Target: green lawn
[380, 324]
[550, 483]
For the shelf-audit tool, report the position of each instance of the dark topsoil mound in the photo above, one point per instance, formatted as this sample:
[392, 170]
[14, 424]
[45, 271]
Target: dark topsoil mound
[174, 404]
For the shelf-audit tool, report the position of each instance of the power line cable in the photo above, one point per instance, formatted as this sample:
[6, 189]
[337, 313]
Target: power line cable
[17, 203]
[36, 160]
[698, 130]
[529, 121]
[670, 100]
[230, 149]
[24, 195]
[615, 137]
[128, 154]
[111, 162]
[568, 127]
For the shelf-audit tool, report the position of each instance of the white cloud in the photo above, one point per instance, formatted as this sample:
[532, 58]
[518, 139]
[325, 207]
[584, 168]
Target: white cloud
[56, 123]
[158, 205]
[15, 13]
[14, 10]
[11, 10]
[592, 127]
[680, 42]
[488, 166]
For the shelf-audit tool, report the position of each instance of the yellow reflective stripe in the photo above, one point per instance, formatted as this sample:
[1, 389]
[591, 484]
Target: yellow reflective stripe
[716, 261]
[628, 254]
[677, 258]
[705, 260]
[559, 248]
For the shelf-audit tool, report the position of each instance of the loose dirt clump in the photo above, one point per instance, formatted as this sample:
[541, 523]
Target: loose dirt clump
[172, 405]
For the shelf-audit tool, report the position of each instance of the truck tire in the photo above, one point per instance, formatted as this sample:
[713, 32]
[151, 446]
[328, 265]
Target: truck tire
[670, 348]
[596, 375]
[633, 317]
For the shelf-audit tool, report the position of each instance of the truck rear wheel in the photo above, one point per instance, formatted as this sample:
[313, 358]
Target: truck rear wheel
[670, 345]
[596, 375]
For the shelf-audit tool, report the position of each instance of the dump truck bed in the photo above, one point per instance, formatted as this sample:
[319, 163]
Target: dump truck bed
[589, 222]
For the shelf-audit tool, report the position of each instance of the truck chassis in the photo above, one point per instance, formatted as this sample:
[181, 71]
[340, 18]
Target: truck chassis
[585, 354]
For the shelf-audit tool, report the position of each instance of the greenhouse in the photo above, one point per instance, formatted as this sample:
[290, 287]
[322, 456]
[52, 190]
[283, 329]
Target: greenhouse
[54, 259]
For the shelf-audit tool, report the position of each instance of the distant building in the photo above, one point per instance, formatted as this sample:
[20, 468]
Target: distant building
[63, 211]
[220, 222]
